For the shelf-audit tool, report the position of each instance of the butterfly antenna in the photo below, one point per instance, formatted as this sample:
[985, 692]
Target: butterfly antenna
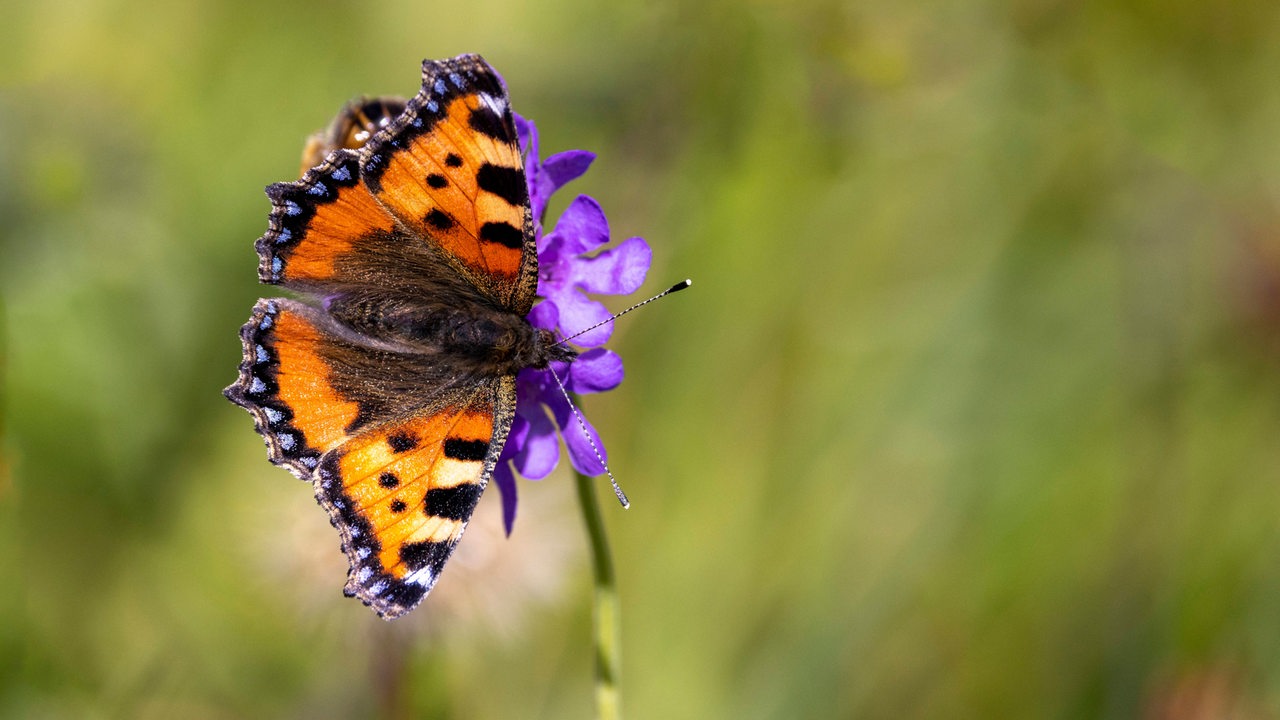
[674, 288]
[617, 489]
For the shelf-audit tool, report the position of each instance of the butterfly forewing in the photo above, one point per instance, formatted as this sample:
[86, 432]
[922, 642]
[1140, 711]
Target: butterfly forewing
[450, 170]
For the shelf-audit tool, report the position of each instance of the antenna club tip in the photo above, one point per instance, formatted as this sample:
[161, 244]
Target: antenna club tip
[681, 285]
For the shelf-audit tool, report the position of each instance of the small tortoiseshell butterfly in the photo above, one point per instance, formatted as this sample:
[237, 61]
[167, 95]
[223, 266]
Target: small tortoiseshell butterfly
[392, 385]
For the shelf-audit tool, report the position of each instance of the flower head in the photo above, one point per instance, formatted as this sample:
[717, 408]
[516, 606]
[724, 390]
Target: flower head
[570, 264]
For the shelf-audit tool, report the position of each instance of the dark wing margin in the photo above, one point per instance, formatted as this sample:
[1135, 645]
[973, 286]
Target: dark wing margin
[282, 384]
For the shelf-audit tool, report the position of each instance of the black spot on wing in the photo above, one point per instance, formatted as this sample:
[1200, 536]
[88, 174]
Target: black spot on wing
[453, 160]
[404, 595]
[402, 442]
[438, 219]
[455, 503]
[502, 233]
[425, 554]
[437, 181]
[484, 120]
[388, 480]
[505, 182]
[473, 450]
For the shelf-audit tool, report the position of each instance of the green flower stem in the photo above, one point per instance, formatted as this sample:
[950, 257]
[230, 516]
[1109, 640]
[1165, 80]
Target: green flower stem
[608, 645]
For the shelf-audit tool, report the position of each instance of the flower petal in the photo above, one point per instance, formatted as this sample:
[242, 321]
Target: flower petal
[527, 133]
[544, 315]
[506, 483]
[541, 452]
[564, 167]
[617, 271]
[577, 313]
[556, 253]
[555, 173]
[581, 453]
[517, 436]
[582, 450]
[594, 371]
[582, 226]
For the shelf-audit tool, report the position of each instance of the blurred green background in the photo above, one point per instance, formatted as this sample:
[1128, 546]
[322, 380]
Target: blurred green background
[972, 410]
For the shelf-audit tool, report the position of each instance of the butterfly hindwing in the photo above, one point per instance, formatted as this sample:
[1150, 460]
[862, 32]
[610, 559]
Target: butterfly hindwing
[450, 170]
[354, 125]
[284, 383]
[400, 479]
[401, 494]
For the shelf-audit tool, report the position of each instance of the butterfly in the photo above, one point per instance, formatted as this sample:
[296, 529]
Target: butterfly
[391, 383]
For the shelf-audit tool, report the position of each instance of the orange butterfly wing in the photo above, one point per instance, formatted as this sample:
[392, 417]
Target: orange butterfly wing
[444, 179]
[284, 384]
[318, 221]
[450, 168]
[400, 492]
[401, 495]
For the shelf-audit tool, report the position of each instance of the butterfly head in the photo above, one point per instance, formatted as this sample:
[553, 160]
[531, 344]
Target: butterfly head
[547, 349]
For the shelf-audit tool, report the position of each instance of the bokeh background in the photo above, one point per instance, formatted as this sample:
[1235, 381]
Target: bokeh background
[973, 410]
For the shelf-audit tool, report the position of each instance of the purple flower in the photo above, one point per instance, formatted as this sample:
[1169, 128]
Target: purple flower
[568, 267]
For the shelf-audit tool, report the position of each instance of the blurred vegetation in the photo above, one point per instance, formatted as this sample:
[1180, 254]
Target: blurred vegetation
[972, 411]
